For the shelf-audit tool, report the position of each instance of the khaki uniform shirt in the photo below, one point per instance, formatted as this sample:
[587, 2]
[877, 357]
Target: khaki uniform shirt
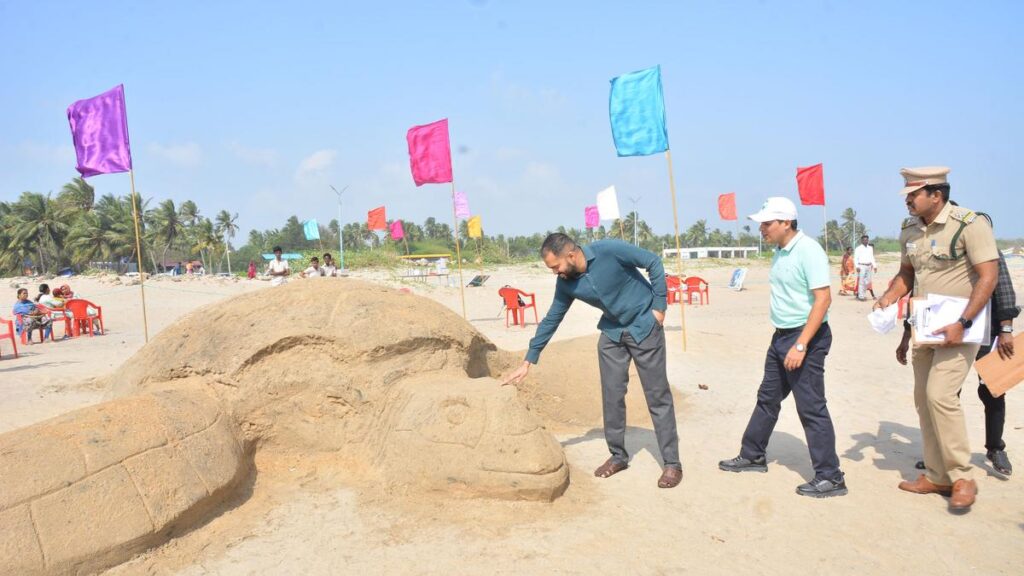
[930, 250]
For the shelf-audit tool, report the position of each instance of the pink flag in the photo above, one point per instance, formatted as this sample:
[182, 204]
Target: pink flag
[430, 153]
[591, 216]
[397, 233]
[99, 128]
[461, 205]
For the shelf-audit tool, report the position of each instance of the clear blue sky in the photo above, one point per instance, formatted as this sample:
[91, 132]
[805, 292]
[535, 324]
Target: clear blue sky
[257, 106]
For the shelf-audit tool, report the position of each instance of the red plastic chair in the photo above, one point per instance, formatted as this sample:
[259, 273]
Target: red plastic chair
[674, 287]
[10, 334]
[19, 321]
[80, 317]
[57, 314]
[515, 306]
[699, 286]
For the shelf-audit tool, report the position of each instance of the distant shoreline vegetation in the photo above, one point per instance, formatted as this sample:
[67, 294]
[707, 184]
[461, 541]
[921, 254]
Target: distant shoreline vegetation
[46, 235]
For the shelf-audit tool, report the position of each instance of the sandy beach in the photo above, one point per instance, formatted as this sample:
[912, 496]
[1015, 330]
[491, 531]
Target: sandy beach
[304, 519]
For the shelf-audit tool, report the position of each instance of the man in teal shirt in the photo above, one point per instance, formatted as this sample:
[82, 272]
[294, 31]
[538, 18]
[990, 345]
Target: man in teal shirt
[604, 274]
[800, 298]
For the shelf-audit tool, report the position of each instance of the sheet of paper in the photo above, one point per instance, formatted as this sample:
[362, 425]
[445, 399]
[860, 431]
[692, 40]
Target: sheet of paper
[884, 320]
[939, 311]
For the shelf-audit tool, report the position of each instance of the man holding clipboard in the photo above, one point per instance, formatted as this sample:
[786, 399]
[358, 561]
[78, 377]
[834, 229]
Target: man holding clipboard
[945, 250]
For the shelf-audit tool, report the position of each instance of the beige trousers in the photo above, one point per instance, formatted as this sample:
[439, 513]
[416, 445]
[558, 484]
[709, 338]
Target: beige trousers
[939, 373]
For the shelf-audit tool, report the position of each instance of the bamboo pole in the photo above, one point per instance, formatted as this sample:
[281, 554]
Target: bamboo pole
[138, 255]
[679, 250]
[458, 252]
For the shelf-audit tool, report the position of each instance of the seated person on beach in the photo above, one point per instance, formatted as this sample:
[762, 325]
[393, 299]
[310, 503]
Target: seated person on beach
[329, 268]
[314, 270]
[31, 316]
[50, 298]
[278, 268]
[44, 290]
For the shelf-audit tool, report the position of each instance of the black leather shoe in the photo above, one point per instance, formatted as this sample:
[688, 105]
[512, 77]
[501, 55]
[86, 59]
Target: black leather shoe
[1000, 461]
[919, 465]
[821, 488]
[741, 464]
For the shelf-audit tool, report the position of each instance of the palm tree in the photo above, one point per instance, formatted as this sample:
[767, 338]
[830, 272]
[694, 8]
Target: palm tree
[89, 240]
[36, 224]
[78, 194]
[226, 228]
[206, 240]
[697, 235]
[166, 226]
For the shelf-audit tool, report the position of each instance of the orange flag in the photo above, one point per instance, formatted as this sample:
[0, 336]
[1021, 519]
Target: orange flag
[376, 220]
[727, 206]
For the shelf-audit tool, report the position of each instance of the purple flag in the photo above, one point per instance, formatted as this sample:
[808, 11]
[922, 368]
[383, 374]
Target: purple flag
[99, 127]
[592, 217]
[461, 205]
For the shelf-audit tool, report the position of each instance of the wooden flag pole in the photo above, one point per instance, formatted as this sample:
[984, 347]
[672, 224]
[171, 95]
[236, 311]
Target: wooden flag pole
[458, 252]
[138, 256]
[622, 231]
[679, 249]
[480, 254]
[406, 242]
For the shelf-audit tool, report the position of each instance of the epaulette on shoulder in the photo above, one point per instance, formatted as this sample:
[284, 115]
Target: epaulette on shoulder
[912, 221]
[962, 214]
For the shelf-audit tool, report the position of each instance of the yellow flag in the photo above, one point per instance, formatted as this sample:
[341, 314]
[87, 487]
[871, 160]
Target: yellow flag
[475, 228]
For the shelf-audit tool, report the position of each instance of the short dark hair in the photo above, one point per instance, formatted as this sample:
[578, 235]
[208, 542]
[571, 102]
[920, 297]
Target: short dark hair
[44, 288]
[942, 189]
[277, 249]
[314, 259]
[20, 290]
[863, 236]
[557, 243]
[328, 255]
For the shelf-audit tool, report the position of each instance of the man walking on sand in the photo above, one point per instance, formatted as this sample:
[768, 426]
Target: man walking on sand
[800, 298]
[604, 274]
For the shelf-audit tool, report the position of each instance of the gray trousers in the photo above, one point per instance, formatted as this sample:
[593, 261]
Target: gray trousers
[649, 357]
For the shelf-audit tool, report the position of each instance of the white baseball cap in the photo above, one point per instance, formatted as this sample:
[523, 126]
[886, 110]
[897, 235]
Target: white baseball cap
[775, 208]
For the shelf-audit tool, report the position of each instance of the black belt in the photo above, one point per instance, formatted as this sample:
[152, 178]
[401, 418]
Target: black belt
[785, 331]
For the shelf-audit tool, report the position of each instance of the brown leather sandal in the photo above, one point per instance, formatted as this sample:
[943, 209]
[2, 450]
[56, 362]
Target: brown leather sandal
[670, 477]
[610, 468]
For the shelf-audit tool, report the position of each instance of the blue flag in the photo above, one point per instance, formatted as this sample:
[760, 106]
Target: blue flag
[312, 229]
[637, 111]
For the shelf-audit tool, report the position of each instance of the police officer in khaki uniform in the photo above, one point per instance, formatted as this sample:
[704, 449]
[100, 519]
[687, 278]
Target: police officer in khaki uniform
[945, 250]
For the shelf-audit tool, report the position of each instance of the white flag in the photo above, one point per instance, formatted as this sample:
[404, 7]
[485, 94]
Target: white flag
[608, 204]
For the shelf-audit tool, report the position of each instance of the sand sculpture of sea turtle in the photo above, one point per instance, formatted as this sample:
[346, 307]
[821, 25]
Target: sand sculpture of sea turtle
[394, 386]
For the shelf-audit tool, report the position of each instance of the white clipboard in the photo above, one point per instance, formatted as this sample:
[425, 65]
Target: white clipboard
[935, 311]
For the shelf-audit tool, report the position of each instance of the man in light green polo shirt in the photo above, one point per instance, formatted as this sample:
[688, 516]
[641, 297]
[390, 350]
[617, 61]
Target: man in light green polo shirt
[800, 298]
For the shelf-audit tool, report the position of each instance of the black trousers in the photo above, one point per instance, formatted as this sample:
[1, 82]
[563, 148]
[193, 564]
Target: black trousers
[995, 411]
[807, 383]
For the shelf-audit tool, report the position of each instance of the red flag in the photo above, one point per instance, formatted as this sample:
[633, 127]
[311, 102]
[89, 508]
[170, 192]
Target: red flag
[430, 153]
[811, 184]
[375, 219]
[727, 206]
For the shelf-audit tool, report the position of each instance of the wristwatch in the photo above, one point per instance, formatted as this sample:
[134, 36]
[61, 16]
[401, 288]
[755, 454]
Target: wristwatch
[966, 323]
[800, 348]
[1006, 329]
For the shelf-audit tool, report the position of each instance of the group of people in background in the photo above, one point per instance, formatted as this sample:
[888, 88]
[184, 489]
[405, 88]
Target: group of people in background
[279, 269]
[29, 316]
[857, 270]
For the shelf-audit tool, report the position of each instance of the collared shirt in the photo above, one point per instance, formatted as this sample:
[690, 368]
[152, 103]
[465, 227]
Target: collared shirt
[312, 272]
[1004, 299]
[798, 269]
[926, 247]
[864, 255]
[612, 284]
